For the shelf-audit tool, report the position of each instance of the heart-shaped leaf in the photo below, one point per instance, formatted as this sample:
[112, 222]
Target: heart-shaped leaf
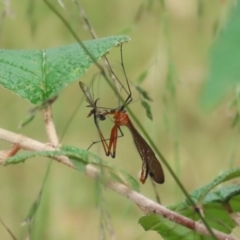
[37, 75]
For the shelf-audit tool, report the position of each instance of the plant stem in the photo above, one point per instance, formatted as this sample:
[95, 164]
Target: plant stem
[50, 127]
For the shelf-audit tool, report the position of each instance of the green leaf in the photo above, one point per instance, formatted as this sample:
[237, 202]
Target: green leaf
[168, 229]
[142, 77]
[219, 209]
[225, 57]
[200, 193]
[80, 158]
[37, 75]
[26, 121]
[143, 93]
[147, 109]
[22, 157]
[119, 174]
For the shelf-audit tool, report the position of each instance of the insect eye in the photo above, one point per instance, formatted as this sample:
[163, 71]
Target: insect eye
[102, 117]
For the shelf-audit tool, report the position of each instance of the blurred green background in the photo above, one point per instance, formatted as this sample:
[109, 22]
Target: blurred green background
[198, 144]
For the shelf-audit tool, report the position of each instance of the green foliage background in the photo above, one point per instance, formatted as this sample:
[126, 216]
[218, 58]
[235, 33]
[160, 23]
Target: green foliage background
[171, 44]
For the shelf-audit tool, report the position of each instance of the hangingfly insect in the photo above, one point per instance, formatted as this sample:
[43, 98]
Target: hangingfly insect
[150, 164]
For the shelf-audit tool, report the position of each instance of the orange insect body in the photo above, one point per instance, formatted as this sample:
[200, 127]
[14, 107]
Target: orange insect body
[150, 164]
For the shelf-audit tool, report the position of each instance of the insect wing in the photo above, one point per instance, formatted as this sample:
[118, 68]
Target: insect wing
[87, 94]
[150, 162]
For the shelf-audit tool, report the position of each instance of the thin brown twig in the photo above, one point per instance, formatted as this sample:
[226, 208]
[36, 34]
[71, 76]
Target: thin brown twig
[50, 127]
[143, 202]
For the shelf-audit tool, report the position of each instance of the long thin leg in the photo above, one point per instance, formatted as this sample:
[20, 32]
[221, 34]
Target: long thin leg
[103, 140]
[104, 143]
[129, 92]
[113, 141]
